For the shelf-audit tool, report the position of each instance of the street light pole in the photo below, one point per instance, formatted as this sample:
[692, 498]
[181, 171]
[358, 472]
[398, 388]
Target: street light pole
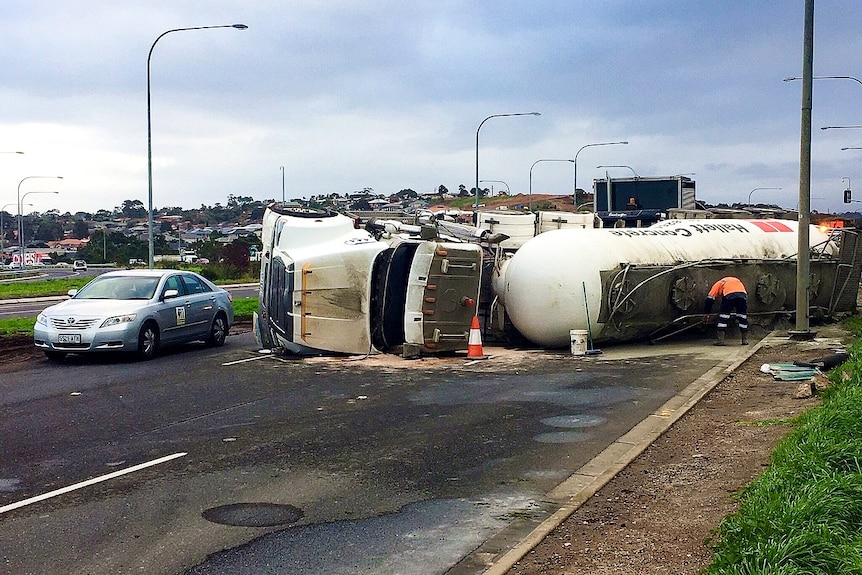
[530, 203]
[476, 207]
[3, 229]
[575, 168]
[755, 189]
[803, 256]
[21, 210]
[150, 134]
[282, 184]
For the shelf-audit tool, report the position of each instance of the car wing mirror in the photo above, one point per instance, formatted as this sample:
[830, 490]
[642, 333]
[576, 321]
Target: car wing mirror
[72, 292]
[170, 294]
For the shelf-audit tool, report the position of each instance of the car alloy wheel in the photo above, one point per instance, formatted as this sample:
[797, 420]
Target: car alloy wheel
[148, 342]
[218, 331]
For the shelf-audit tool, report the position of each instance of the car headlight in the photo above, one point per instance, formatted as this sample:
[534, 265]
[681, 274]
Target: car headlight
[118, 319]
[41, 319]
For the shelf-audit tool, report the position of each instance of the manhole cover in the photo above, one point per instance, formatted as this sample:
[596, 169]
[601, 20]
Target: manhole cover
[253, 514]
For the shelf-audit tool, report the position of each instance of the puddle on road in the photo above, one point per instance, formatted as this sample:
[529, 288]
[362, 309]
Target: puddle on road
[562, 437]
[564, 389]
[253, 514]
[574, 421]
[9, 485]
[420, 539]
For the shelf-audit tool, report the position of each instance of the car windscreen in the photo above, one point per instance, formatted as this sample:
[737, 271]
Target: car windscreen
[119, 287]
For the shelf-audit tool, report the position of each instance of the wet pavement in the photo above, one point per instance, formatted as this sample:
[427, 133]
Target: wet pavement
[321, 465]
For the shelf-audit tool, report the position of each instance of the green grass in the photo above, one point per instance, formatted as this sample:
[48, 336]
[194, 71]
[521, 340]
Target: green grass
[60, 286]
[55, 286]
[16, 326]
[804, 514]
[242, 307]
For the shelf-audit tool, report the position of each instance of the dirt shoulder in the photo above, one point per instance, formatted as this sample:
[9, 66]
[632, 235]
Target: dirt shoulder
[657, 515]
[16, 352]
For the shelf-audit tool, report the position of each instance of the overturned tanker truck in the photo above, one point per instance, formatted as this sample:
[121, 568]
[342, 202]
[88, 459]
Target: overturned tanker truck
[327, 286]
[622, 284]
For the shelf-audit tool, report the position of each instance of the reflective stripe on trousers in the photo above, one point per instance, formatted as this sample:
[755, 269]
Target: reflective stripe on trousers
[724, 319]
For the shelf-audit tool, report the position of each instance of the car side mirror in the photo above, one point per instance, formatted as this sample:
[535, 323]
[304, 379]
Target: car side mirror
[170, 294]
[71, 292]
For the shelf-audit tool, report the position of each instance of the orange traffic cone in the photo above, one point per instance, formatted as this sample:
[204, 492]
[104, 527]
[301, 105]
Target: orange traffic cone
[474, 342]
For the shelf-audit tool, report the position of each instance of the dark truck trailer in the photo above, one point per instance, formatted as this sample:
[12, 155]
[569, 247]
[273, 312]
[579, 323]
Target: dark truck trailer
[640, 202]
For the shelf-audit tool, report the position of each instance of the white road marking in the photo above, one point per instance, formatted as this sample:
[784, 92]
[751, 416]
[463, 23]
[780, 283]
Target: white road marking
[89, 482]
[246, 360]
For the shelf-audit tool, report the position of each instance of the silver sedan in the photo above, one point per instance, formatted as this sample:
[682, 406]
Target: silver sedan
[136, 311]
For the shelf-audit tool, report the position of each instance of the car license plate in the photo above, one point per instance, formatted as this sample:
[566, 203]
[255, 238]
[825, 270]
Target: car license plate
[69, 338]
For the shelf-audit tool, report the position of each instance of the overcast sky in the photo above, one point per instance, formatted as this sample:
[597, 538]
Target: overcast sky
[389, 95]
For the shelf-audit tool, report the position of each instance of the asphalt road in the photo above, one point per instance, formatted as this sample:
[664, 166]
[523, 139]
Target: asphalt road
[322, 465]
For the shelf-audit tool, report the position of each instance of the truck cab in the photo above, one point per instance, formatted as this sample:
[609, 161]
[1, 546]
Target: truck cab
[327, 285]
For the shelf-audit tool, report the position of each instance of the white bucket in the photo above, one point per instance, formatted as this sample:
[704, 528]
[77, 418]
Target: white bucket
[579, 341]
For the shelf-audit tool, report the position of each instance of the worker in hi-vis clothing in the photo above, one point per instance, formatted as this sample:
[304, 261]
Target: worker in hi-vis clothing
[733, 299]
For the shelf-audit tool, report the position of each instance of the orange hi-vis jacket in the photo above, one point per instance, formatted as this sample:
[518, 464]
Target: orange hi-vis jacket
[726, 286]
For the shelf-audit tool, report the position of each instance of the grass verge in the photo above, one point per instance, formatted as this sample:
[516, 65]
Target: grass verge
[242, 307]
[61, 286]
[804, 514]
[54, 286]
[16, 327]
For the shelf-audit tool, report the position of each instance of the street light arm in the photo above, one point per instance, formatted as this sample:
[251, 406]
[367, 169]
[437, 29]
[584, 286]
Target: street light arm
[508, 191]
[237, 26]
[628, 167]
[855, 79]
[755, 189]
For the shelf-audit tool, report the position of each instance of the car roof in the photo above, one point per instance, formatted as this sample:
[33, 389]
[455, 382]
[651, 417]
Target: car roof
[146, 272]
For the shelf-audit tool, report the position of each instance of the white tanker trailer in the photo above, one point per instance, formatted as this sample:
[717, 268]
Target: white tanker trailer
[628, 283]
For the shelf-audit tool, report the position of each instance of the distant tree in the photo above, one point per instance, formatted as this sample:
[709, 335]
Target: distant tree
[49, 230]
[442, 191]
[133, 209]
[103, 215]
[80, 230]
[462, 191]
[209, 249]
[236, 254]
[165, 227]
[362, 205]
